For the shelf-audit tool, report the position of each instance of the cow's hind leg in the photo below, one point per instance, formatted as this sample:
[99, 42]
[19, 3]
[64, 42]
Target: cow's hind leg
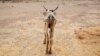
[47, 45]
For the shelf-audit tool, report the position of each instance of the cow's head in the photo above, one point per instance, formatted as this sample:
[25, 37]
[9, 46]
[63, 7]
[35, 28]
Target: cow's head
[48, 13]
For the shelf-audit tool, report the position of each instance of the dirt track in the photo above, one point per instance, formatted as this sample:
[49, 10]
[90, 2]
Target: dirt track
[21, 29]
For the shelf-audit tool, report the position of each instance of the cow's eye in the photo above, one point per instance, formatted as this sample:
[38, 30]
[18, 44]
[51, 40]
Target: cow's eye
[44, 13]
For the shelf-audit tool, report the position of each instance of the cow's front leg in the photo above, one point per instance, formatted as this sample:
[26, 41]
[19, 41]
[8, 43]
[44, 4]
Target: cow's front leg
[45, 32]
[51, 40]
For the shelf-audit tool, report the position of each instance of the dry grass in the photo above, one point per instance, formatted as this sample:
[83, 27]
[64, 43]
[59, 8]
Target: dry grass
[89, 38]
[89, 33]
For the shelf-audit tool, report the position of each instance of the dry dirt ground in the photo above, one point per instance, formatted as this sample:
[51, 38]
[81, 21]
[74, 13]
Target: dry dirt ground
[77, 32]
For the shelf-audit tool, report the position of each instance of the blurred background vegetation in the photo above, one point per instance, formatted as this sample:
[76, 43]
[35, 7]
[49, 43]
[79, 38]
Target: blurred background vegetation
[42, 0]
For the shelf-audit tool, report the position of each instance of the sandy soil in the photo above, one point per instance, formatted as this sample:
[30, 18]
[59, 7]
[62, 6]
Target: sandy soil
[21, 29]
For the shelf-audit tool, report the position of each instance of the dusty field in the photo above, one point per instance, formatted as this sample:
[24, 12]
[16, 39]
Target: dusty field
[21, 29]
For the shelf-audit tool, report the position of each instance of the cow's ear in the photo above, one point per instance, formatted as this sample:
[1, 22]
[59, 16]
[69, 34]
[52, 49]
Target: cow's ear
[44, 13]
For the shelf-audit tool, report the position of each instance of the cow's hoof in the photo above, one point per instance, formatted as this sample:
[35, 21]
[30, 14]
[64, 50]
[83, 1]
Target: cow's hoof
[44, 43]
[49, 52]
[46, 53]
